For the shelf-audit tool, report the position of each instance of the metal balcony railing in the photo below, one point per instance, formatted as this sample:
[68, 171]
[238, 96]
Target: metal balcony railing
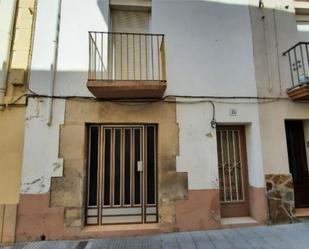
[126, 56]
[298, 56]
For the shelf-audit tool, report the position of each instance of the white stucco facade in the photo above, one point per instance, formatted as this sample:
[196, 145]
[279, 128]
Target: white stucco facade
[41, 160]
[202, 47]
[198, 146]
[209, 52]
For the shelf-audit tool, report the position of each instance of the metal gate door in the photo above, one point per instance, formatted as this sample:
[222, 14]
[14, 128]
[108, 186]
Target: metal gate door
[122, 175]
[233, 175]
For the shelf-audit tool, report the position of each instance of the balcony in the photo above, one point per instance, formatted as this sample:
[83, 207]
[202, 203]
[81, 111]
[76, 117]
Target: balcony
[126, 65]
[298, 56]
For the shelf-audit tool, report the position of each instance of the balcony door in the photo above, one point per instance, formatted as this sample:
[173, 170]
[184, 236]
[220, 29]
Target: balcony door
[131, 51]
[233, 173]
[122, 175]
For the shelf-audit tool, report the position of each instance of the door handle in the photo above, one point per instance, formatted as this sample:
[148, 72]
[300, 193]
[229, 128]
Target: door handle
[140, 166]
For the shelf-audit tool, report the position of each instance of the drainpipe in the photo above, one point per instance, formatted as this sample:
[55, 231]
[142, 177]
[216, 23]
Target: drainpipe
[53, 67]
[7, 17]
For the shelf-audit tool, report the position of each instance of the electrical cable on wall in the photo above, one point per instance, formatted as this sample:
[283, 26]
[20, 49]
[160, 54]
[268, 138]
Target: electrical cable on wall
[193, 99]
[266, 39]
[166, 99]
[277, 51]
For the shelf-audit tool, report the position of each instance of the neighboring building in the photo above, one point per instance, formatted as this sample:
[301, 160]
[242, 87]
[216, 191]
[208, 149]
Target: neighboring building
[16, 22]
[156, 116]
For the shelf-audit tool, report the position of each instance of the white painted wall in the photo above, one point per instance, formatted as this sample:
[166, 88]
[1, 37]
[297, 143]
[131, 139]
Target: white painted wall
[41, 160]
[274, 31]
[209, 51]
[274, 146]
[78, 17]
[43, 49]
[197, 150]
[198, 145]
[201, 50]
[208, 47]
[273, 35]
[199, 43]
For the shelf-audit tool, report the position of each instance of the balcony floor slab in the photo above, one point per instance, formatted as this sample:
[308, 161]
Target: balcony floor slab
[127, 89]
[299, 93]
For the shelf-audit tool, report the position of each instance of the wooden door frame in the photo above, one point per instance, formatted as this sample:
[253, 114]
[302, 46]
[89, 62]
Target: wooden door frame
[231, 208]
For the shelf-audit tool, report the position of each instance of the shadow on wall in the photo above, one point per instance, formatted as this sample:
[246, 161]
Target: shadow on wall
[67, 83]
[102, 6]
[214, 46]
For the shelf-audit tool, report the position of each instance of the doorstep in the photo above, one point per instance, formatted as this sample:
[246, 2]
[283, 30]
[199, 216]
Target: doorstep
[302, 212]
[238, 222]
[125, 230]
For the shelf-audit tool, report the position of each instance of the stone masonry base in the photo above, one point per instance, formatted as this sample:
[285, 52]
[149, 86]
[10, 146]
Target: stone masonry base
[280, 197]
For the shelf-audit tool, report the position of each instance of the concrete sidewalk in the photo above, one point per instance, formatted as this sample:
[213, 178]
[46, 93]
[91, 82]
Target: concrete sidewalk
[294, 236]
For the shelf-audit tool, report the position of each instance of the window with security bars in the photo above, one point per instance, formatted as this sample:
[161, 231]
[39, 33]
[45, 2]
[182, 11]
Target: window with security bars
[230, 166]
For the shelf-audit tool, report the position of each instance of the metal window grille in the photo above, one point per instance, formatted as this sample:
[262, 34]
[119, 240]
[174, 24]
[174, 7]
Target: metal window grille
[230, 166]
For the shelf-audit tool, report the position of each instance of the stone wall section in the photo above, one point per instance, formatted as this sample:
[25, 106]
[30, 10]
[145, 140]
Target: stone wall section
[69, 191]
[280, 197]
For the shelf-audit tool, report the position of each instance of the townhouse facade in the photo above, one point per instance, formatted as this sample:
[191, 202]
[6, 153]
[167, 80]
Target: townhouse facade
[156, 116]
[16, 33]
